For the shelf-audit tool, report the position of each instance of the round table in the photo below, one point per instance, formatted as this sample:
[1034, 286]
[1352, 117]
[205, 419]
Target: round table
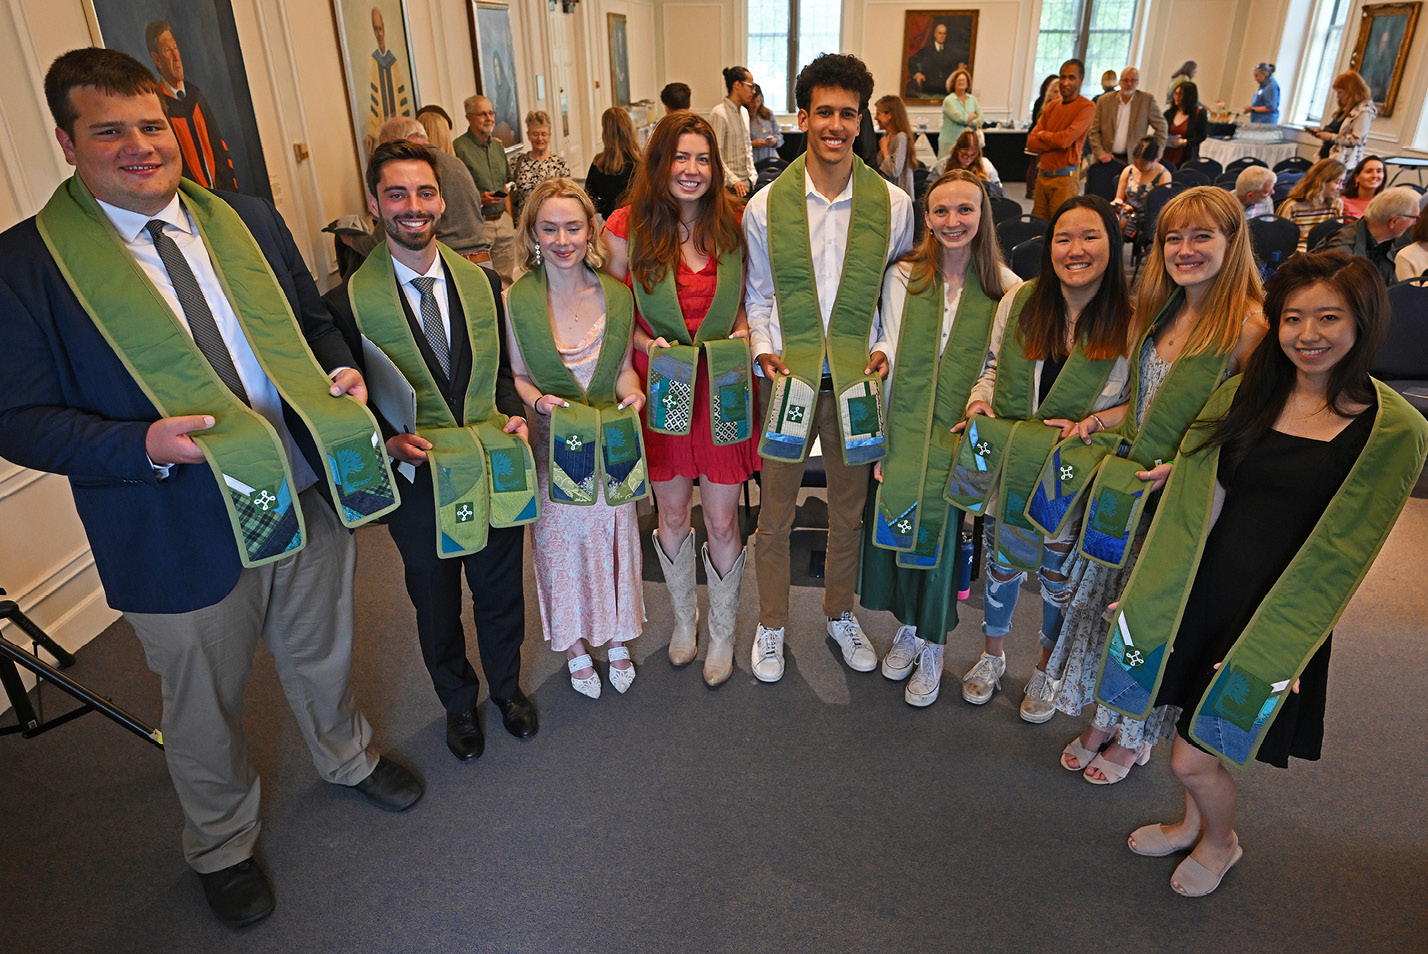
[1226, 151]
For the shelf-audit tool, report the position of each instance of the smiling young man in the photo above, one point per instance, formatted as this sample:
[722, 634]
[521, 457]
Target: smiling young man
[819, 240]
[1057, 138]
[162, 347]
[439, 318]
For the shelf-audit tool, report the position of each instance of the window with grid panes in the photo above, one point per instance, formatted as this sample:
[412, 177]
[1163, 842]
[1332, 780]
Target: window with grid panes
[784, 36]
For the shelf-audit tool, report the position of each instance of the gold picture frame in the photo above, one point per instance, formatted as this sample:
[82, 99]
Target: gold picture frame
[1381, 50]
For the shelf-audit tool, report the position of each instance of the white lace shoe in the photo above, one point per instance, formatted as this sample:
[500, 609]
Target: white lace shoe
[903, 655]
[590, 685]
[850, 636]
[1036, 706]
[768, 654]
[621, 679]
[983, 679]
[922, 687]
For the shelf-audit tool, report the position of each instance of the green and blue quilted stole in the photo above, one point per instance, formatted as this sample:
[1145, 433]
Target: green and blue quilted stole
[789, 423]
[595, 446]
[929, 398]
[481, 476]
[1296, 615]
[242, 449]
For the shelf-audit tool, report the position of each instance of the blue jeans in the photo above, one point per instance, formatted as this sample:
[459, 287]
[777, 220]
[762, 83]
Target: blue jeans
[1003, 587]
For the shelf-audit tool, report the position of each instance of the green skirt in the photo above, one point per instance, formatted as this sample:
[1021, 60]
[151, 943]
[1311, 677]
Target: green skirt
[926, 599]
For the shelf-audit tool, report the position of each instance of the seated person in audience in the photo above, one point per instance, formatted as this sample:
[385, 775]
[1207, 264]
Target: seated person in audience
[1315, 199]
[1136, 182]
[967, 154]
[1412, 260]
[1387, 217]
[1365, 182]
[610, 172]
[1254, 187]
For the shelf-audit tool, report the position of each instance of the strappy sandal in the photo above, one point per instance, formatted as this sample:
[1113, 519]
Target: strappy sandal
[621, 679]
[1083, 756]
[1112, 771]
[590, 685]
[1193, 880]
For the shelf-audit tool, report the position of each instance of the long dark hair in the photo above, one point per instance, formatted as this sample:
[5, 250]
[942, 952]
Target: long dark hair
[1189, 98]
[1270, 375]
[1102, 330]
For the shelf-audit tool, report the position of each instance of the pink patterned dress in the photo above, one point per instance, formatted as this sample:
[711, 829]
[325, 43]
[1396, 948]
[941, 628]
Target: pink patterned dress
[587, 559]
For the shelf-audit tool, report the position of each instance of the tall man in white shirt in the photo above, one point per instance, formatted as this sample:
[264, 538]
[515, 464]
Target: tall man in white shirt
[830, 92]
[730, 120]
[1122, 118]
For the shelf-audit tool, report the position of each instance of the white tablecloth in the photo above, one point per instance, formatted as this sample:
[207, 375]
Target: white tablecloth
[1226, 151]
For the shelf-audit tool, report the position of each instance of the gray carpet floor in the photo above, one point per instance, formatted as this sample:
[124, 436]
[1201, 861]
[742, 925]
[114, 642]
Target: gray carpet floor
[819, 814]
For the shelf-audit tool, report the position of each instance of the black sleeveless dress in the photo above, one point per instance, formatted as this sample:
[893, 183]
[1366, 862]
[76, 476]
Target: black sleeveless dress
[1272, 501]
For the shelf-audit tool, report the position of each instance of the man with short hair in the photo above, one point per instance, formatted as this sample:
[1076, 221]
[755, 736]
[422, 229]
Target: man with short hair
[461, 227]
[930, 67]
[675, 96]
[204, 151]
[1265, 107]
[163, 347]
[485, 159]
[1057, 138]
[730, 120]
[1108, 83]
[441, 321]
[1120, 120]
[1254, 187]
[819, 345]
[1389, 214]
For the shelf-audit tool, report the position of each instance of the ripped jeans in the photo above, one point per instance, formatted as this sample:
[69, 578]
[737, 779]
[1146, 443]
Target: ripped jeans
[1003, 587]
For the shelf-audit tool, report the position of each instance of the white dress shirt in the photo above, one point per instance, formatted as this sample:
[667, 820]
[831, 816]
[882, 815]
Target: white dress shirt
[438, 291]
[1123, 111]
[828, 224]
[179, 226]
[736, 150]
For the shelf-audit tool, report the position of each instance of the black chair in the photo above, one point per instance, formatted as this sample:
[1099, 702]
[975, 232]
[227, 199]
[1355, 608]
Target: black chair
[1026, 257]
[1402, 362]
[1274, 240]
[1293, 164]
[1154, 202]
[1103, 178]
[1284, 185]
[1323, 230]
[1227, 182]
[1243, 163]
[1170, 166]
[1012, 232]
[1209, 168]
[1004, 208]
[1190, 177]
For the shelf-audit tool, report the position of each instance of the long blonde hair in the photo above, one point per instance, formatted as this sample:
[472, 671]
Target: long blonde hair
[438, 131]
[558, 188]
[1236, 291]
[926, 258]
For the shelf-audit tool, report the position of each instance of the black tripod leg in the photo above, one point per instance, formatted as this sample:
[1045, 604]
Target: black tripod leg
[50, 674]
[9, 609]
[19, 699]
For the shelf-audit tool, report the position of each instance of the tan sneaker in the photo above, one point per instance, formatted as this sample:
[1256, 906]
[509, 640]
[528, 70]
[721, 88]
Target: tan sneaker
[983, 679]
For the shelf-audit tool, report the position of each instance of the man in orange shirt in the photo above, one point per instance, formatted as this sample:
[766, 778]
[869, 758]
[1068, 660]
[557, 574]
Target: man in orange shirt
[1057, 138]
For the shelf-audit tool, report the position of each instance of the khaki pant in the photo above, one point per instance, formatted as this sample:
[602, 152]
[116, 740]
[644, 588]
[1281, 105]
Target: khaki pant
[502, 236]
[779, 484]
[1051, 192]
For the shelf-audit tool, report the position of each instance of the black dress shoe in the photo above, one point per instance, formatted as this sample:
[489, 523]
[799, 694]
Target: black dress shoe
[463, 735]
[238, 894]
[518, 714]
[391, 786]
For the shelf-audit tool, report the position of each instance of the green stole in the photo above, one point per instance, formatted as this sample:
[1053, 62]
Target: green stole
[672, 371]
[1104, 472]
[1300, 610]
[592, 421]
[242, 449]
[481, 476]
[911, 513]
[1009, 450]
[789, 422]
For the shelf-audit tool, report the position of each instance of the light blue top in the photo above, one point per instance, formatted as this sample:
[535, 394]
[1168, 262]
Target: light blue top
[954, 120]
[1266, 95]
[763, 129]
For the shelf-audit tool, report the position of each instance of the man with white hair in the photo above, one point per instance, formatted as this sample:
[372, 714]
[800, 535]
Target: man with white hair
[485, 158]
[1122, 118]
[1254, 187]
[461, 227]
[1389, 214]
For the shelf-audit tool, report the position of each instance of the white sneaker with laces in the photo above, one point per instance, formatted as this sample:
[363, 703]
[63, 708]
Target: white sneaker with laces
[768, 654]
[849, 635]
[983, 679]
[903, 655]
[922, 687]
[1036, 706]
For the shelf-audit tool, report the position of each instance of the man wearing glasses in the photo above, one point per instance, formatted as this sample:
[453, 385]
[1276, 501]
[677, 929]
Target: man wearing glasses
[730, 120]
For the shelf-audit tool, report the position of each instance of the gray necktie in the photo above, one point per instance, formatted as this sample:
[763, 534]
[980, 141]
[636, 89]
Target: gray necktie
[195, 309]
[432, 324]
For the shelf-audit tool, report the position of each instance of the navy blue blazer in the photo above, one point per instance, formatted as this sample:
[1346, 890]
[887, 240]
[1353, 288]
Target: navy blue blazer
[68, 406]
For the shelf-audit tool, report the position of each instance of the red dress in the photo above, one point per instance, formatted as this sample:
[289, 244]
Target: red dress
[695, 455]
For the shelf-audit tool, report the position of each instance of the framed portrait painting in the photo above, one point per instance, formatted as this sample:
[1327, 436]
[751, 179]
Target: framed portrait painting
[1385, 36]
[934, 44]
[619, 58]
[377, 62]
[193, 49]
[496, 68]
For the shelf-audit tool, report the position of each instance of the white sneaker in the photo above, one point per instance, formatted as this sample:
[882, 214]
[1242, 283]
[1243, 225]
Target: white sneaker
[903, 655]
[1036, 706]
[768, 654]
[850, 636]
[983, 679]
[922, 687]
